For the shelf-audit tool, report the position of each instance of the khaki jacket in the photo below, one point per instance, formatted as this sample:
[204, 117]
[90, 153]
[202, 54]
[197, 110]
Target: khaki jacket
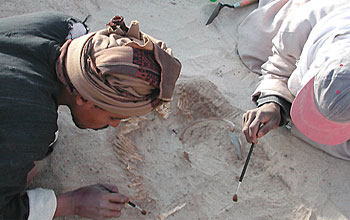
[276, 41]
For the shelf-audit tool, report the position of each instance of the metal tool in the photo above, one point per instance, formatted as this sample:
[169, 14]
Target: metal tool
[234, 5]
[235, 141]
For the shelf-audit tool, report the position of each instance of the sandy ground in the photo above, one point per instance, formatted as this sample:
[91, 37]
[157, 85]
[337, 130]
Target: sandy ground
[184, 158]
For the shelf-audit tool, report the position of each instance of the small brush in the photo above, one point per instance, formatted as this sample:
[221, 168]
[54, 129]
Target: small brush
[143, 212]
[235, 197]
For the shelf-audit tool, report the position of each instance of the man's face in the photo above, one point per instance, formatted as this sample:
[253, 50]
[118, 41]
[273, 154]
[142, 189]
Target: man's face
[88, 115]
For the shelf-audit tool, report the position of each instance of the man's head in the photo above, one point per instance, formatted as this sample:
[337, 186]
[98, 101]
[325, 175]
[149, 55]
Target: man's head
[120, 71]
[87, 115]
[321, 109]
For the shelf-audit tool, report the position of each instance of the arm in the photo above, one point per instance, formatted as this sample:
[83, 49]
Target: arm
[287, 48]
[15, 203]
[272, 94]
[21, 143]
[100, 201]
[28, 123]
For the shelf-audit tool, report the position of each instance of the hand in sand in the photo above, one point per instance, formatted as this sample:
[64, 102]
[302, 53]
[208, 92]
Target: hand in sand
[100, 201]
[267, 116]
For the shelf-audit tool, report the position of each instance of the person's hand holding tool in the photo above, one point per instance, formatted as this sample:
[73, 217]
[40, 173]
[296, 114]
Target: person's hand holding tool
[267, 116]
[94, 202]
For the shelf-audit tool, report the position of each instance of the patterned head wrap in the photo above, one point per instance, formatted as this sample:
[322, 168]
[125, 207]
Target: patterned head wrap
[121, 69]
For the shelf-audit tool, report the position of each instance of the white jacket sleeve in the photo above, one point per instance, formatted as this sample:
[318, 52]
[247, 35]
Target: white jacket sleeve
[287, 47]
[42, 204]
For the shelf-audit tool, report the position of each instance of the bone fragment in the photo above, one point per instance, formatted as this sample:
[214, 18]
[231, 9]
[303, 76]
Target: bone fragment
[171, 212]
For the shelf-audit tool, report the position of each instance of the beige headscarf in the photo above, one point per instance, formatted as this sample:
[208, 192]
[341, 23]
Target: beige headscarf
[121, 69]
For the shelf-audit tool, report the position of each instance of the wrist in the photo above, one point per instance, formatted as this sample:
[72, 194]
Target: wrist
[284, 106]
[279, 112]
[276, 106]
[65, 204]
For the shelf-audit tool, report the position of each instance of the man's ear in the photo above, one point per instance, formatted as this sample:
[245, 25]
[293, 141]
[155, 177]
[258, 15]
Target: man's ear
[79, 100]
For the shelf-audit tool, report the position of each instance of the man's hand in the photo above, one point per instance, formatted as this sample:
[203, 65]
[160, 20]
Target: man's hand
[100, 201]
[267, 116]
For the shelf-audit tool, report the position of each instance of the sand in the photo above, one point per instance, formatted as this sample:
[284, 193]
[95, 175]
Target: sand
[181, 162]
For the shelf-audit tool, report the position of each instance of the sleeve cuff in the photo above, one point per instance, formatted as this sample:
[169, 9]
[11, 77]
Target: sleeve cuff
[284, 104]
[42, 204]
[76, 29]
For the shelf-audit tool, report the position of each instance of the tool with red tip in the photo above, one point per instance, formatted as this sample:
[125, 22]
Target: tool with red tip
[143, 212]
[235, 197]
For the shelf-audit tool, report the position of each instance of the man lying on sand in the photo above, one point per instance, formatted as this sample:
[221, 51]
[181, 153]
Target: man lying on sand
[103, 77]
[301, 48]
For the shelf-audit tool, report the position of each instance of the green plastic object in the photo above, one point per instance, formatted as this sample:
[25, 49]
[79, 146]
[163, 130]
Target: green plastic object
[213, 0]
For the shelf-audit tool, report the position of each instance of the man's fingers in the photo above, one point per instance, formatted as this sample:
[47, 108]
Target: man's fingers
[267, 115]
[115, 214]
[111, 188]
[112, 206]
[253, 130]
[265, 128]
[246, 124]
[117, 198]
[107, 214]
[244, 118]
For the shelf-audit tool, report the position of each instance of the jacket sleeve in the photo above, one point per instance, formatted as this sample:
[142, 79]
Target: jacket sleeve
[27, 126]
[15, 202]
[286, 50]
[23, 140]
